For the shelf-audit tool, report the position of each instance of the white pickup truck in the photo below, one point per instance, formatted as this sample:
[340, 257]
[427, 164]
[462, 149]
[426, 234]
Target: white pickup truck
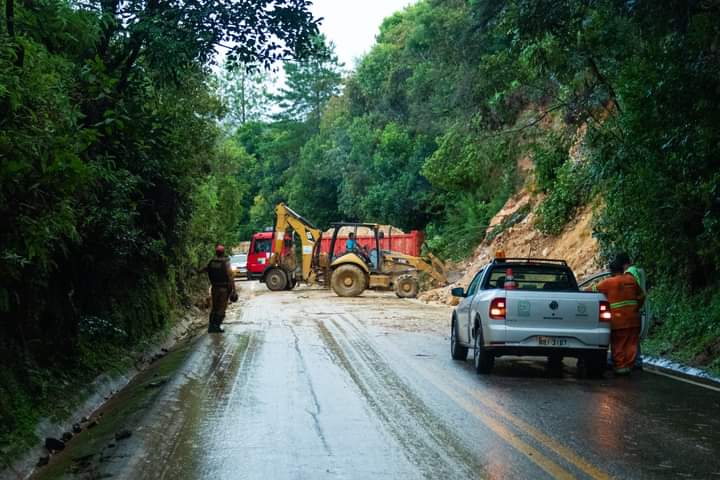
[529, 307]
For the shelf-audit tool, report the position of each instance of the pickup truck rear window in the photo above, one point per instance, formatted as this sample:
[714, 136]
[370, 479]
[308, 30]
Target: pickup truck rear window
[534, 277]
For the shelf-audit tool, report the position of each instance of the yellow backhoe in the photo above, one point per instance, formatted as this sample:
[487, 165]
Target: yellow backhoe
[348, 273]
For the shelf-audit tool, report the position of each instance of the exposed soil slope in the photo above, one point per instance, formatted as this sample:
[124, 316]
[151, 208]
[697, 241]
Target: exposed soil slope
[512, 231]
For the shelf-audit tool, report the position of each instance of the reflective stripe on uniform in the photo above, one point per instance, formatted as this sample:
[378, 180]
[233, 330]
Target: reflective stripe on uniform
[624, 303]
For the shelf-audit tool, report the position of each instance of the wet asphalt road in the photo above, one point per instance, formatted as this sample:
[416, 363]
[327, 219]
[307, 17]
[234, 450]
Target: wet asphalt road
[307, 385]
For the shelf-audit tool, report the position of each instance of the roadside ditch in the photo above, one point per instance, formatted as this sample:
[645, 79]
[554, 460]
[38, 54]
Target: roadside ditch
[53, 434]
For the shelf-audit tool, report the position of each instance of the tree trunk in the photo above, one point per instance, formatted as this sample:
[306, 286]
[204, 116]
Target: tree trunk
[243, 100]
[10, 17]
[19, 50]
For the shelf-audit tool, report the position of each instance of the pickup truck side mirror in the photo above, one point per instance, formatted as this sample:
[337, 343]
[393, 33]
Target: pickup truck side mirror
[458, 292]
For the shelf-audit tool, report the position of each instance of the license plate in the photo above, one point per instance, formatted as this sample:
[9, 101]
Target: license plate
[552, 341]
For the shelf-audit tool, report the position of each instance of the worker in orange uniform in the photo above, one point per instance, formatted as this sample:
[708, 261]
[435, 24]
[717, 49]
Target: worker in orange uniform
[641, 279]
[626, 299]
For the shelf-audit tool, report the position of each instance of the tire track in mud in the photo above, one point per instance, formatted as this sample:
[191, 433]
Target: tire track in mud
[427, 441]
[317, 410]
[240, 374]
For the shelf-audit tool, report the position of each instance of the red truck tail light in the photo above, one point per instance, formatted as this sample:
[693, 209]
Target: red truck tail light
[605, 313]
[497, 309]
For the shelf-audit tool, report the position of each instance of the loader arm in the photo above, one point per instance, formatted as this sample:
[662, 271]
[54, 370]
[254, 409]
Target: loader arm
[436, 269]
[286, 219]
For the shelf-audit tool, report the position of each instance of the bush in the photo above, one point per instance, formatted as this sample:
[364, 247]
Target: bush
[549, 157]
[573, 187]
[464, 226]
[687, 329]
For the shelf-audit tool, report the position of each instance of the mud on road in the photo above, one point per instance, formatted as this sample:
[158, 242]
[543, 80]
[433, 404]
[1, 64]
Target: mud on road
[305, 384]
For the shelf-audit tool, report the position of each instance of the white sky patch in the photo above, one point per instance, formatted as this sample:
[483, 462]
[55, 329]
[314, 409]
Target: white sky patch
[353, 24]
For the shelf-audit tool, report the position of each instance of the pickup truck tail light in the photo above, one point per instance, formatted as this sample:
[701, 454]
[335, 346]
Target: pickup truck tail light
[497, 309]
[605, 313]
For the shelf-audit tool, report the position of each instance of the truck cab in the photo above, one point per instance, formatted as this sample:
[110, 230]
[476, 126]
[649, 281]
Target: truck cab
[259, 253]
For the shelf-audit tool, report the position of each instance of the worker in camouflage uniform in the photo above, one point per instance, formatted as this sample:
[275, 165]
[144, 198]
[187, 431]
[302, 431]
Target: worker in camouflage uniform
[223, 288]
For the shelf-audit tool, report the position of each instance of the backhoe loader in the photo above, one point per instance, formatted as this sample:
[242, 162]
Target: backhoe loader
[348, 273]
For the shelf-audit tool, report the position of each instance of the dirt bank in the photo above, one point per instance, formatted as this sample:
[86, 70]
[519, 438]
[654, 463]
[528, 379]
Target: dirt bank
[512, 231]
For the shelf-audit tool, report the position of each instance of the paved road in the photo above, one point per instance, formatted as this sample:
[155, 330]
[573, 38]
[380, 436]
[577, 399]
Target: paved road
[306, 385]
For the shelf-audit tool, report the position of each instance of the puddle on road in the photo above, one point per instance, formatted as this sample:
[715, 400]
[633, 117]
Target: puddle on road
[181, 445]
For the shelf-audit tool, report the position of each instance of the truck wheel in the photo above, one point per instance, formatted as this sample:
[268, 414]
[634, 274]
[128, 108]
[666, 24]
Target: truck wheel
[276, 280]
[348, 280]
[484, 360]
[406, 286]
[457, 351]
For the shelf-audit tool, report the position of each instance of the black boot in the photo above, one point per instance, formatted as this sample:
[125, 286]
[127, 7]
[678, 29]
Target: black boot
[213, 325]
[218, 323]
[215, 321]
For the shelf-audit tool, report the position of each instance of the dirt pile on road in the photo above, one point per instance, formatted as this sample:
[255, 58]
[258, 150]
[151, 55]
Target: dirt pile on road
[512, 230]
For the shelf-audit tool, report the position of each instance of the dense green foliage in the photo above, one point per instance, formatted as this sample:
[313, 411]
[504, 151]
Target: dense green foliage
[115, 179]
[610, 99]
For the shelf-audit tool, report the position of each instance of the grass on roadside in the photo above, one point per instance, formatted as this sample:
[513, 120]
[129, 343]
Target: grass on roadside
[131, 401]
[29, 392]
[689, 327]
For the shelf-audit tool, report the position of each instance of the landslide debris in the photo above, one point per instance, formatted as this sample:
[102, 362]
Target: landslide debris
[512, 230]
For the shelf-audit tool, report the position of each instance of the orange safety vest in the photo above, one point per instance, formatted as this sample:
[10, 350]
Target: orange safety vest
[625, 297]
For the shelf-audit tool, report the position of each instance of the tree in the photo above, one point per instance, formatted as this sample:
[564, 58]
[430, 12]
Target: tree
[169, 36]
[310, 84]
[244, 91]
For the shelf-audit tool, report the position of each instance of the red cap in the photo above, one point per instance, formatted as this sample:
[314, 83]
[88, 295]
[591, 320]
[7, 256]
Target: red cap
[219, 249]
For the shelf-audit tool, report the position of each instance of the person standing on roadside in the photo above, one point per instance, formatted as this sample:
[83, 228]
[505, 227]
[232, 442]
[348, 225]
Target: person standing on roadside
[626, 298]
[639, 276]
[223, 287]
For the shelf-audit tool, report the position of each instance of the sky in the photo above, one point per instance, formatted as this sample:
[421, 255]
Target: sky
[353, 24]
